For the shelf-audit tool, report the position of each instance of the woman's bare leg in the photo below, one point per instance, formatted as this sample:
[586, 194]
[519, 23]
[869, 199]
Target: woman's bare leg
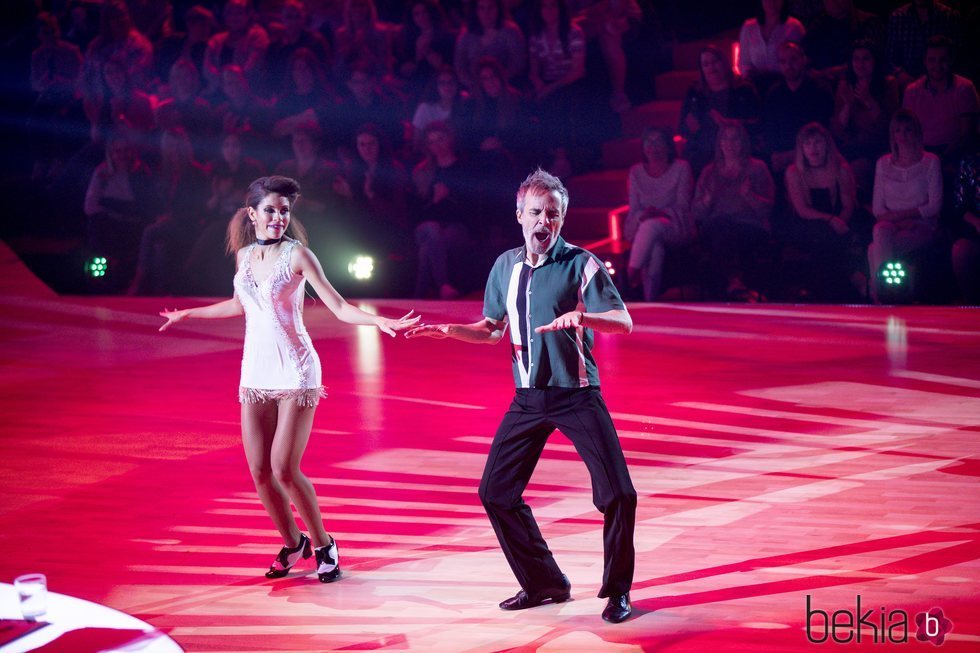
[258, 434]
[292, 436]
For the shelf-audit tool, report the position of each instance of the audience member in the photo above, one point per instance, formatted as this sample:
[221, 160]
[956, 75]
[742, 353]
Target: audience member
[180, 191]
[864, 103]
[243, 44]
[499, 121]
[719, 94]
[732, 203]
[907, 196]
[117, 202]
[909, 28]
[829, 37]
[489, 32]
[190, 44]
[56, 64]
[443, 185]
[792, 102]
[944, 102]
[760, 39]
[425, 45]
[364, 40]
[238, 108]
[822, 197]
[294, 37]
[659, 216]
[556, 54]
[445, 101]
[316, 175]
[966, 248]
[184, 107]
[612, 23]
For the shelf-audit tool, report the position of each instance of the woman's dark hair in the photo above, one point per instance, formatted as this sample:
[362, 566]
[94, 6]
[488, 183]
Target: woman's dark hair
[536, 23]
[431, 93]
[240, 230]
[473, 24]
[666, 135]
[385, 155]
[723, 58]
[437, 16]
[877, 75]
[760, 13]
[307, 56]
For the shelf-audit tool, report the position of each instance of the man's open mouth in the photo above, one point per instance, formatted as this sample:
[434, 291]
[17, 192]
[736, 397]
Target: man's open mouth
[542, 236]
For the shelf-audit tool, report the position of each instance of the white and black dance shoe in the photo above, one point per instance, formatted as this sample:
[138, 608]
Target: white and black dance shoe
[288, 557]
[328, 562]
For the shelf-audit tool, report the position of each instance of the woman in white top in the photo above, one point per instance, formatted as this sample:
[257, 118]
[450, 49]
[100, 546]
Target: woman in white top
[908, 195]
[281, 381]
[760, 38]
[660, 192]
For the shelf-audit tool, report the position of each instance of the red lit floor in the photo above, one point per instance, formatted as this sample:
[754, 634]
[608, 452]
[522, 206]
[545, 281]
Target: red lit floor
[779, 452]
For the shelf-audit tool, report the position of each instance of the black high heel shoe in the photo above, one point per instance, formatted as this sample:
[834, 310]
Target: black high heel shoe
[328, 562]
[288, 557]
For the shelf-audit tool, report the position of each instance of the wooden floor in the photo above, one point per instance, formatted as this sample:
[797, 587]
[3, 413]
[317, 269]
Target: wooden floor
[779, 452]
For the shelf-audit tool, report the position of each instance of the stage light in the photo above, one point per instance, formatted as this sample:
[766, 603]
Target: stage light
[894, 283]
[361, 268]
[96, 266]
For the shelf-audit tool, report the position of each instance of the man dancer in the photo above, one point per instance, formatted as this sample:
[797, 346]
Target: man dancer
[553, 295]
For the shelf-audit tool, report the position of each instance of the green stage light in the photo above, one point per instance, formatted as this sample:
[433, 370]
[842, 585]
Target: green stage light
[96, 267]
[361, 268]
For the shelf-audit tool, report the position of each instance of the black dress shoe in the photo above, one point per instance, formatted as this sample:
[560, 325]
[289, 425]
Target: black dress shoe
[522, 600]
[328, 562]
[618, 608]
[288, 557]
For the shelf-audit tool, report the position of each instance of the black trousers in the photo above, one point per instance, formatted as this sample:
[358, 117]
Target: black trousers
[581, 414]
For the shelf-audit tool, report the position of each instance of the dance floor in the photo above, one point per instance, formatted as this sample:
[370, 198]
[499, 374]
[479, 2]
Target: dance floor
[782, 454]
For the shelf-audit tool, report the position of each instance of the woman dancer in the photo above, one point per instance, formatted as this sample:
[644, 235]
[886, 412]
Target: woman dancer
[280, 382]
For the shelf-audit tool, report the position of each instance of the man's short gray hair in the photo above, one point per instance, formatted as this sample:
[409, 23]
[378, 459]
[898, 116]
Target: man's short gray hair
[542, 182]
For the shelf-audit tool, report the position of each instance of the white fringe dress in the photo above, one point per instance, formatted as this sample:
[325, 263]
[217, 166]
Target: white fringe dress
[278, 360]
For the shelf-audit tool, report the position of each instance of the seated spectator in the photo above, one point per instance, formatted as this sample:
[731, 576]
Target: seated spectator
[377, 184]
[191, 44]
[184, 107]
[822, 197]
[56, 64]
[613, 24]
[719, 95]
[907, 196]
[945, 103]
[829, 37]
[966, 249]
[363, 39]
[792, 102]
[732, 203]
[760, 39]
[498, 126]
[424, 45]
[180, 192]
[205, 272]
[445, 101]
[445, 215]
[123, 105]
[910, 26]
[556, 54]
[295, 36]
[660, 210]
[243, 44]
[364, 98]
[239, 109]
[120, 41]
[489, 32]
[117, 202]
[315, 174]
[864, 103]
[305, 89]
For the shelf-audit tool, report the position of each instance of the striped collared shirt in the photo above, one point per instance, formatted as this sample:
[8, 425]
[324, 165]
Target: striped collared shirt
[569, 278]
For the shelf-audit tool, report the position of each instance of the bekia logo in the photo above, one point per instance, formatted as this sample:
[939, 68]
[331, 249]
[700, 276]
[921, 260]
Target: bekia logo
[881, 626]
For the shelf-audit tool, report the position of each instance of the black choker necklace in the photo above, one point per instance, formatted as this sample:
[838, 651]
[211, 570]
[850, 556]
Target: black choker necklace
[271, 241]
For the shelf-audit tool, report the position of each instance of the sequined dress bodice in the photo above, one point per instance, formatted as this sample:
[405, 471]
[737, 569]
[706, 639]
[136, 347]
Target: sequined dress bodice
[278, 360]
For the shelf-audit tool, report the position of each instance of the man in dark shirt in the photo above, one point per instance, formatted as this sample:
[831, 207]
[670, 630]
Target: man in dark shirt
[829, 36]
[553, 296]
[797, 99]
[911, 25]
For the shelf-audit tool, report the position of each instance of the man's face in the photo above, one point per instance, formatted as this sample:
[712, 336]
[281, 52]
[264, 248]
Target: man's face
[791, 63]
[938, 63]
[541, 220]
